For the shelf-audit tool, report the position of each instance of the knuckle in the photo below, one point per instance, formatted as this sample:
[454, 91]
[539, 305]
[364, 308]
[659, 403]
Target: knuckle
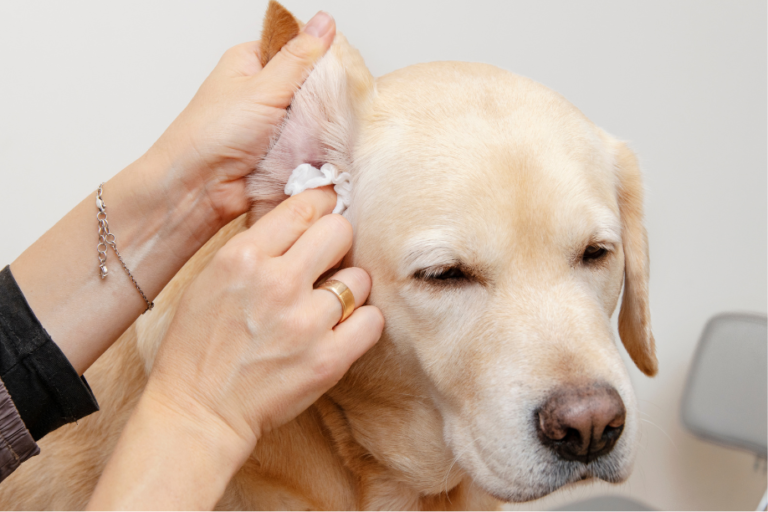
[231, 52]
[239, 258]
[301, 211]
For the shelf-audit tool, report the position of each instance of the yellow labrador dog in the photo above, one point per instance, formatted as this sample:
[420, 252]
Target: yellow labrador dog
[498, 225]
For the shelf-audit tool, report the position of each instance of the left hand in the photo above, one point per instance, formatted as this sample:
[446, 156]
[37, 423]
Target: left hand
[164, 206]
[227, 127]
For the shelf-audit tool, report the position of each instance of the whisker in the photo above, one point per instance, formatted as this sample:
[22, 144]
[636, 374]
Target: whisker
[671, 441]
[660, 409]
[455, 460]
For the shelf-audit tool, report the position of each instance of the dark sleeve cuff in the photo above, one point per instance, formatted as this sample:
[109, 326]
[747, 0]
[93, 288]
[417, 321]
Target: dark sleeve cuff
[16, 443]
[45, 388]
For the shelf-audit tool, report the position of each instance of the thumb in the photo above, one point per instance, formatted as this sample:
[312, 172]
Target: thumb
[287, 70]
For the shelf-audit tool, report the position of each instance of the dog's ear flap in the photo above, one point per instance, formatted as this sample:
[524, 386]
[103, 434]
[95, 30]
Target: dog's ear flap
[635, 314]
[279, 27]
[322, 122]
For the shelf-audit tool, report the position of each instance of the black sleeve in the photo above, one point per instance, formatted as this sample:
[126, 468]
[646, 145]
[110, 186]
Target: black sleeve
[45, 388]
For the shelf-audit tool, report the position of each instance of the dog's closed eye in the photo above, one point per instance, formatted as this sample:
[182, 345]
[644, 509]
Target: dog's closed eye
[445, 275]
[441, 273]
[594, 253]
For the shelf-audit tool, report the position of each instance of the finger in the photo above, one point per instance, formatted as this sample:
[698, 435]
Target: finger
[279, 229]
[287, 70]
[356, 335]
[329, 305]
[320, 247]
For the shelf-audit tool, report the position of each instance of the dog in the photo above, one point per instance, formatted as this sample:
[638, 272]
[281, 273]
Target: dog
[498, 225]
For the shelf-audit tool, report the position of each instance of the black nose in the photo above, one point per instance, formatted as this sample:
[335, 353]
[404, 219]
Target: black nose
[581, 423]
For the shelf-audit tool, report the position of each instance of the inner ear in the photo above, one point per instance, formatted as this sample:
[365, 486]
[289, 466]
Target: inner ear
[280, 26]
[322, 124]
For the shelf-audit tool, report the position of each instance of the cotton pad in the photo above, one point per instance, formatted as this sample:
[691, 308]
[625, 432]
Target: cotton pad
[305, 177]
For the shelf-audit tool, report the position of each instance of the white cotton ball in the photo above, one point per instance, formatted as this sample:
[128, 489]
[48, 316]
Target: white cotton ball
[305, 177]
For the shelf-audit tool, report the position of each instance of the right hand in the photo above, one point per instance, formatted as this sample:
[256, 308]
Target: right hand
[253, 344]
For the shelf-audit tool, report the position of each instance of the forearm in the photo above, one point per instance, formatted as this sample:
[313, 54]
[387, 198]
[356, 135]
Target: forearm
[164, 206]
[159, 222]
[169, 459]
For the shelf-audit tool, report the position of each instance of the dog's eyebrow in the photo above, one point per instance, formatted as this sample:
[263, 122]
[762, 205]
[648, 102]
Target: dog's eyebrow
[428, 249]
[606, 227]
[606, 236]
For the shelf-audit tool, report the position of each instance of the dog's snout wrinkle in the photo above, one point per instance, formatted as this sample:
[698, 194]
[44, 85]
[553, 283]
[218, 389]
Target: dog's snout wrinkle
[582, 423]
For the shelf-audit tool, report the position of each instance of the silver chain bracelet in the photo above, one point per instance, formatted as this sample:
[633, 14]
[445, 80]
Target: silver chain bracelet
[108, 239]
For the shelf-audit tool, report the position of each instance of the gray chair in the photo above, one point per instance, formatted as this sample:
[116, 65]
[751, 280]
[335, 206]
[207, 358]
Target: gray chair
[726, 397]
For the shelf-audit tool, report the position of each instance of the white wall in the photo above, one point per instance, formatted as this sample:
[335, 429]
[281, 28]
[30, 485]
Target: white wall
[86, 87]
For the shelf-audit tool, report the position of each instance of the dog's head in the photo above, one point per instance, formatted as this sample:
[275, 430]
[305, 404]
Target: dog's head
[498, 225]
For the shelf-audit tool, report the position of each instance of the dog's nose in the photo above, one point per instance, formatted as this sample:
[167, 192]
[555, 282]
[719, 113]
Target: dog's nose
[582, 423]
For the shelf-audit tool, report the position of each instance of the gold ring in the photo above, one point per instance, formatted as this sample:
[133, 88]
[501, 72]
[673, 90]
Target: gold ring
[343, 293]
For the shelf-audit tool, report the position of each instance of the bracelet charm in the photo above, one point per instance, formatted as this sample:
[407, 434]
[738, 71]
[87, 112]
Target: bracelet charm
[106, 238]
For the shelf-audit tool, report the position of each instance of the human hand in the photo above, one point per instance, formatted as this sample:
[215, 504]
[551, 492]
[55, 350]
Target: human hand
[253, 344]
[227, 127]
[167, 204]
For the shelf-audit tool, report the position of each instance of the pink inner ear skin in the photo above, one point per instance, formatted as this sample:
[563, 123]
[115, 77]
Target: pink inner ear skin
[299, 144]
[319, 128]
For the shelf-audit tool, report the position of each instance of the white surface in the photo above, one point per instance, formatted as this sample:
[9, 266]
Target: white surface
[86, 87]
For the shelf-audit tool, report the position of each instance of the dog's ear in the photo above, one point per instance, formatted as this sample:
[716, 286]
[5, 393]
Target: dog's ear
[279, 27]
[322, 122]
[635, 314]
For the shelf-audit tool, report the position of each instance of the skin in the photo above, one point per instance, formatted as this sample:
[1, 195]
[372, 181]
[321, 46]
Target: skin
[250, 321]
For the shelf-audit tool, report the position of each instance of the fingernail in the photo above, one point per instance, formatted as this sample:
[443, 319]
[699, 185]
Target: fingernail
[319, 25]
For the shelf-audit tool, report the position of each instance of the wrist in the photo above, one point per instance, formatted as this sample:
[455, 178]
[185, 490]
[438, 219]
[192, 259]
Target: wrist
[219, 181]
[225, 448]
[169, 458]
[169, 205]
[159, 219]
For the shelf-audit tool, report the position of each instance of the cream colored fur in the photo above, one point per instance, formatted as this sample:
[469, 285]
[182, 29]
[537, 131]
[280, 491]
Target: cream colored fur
[453, 164]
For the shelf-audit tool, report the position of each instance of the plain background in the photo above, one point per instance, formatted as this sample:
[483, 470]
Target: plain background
[86, 87]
